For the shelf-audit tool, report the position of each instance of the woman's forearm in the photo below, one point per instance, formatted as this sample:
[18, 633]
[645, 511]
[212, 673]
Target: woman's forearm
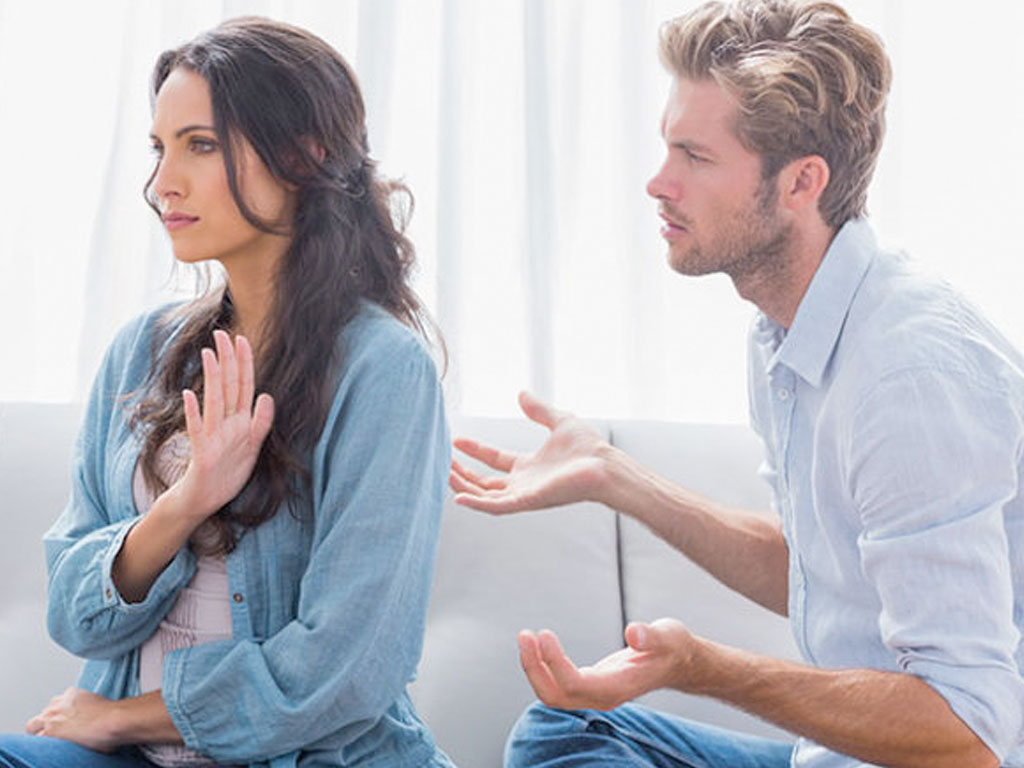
[151, 545]
[143, 720]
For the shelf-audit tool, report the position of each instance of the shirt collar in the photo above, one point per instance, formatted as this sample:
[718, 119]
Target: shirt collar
[810, 341]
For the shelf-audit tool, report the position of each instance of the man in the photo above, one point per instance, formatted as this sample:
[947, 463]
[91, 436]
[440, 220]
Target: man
[893, 421]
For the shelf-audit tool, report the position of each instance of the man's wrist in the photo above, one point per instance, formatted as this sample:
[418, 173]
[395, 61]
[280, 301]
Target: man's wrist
[615, 477]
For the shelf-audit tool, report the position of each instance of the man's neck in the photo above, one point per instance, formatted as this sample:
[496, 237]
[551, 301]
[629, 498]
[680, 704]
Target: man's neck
[778, 288]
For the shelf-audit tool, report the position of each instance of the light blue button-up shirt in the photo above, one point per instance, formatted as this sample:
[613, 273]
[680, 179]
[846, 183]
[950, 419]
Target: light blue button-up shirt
[328, 606]
[892, 416]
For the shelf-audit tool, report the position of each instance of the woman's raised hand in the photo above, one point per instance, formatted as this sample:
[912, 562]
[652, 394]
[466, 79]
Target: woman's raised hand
[225, 438]
[569, 466]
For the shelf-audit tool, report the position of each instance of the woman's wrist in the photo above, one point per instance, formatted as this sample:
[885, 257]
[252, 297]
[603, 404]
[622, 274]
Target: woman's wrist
[141, 720]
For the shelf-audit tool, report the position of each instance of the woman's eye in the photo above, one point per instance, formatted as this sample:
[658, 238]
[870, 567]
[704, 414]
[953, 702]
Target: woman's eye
[202, 146]
[156, 150]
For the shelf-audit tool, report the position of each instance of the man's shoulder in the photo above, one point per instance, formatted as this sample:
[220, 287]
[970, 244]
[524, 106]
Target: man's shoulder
[905, 319]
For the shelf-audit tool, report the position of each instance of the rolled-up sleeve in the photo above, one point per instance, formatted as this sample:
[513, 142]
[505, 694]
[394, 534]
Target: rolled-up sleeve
[934, 463]
[85, 612]
[354, 644]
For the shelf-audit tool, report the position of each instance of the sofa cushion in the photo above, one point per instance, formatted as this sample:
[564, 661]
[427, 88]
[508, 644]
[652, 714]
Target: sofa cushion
[555, 569]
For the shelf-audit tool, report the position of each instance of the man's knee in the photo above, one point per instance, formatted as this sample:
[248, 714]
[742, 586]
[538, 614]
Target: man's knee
[537, 732]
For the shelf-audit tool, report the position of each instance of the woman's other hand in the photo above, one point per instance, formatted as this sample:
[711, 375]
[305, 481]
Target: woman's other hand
[79, 716]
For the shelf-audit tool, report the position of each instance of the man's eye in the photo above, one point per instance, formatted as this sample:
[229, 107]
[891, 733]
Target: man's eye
[696, 158]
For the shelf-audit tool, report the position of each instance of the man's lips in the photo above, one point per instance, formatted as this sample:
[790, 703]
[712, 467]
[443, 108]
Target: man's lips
[672, 227]
[174, 221]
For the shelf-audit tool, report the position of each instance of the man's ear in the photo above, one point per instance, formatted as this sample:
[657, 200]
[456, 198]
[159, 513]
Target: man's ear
[802, 182]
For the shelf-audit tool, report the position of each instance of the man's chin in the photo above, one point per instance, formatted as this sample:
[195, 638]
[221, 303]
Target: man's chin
[690, 263]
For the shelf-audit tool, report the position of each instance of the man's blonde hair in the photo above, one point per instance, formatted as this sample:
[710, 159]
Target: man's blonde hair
[809, 81]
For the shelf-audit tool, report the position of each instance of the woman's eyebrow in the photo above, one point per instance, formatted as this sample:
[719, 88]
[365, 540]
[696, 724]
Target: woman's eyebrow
[187, 129]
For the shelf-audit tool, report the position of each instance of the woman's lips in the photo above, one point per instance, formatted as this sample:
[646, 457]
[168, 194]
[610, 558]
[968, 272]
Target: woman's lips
[176, 221]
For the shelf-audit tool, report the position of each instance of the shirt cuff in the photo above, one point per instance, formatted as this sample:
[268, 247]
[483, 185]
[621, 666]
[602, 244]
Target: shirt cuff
[989, 700]
[177, 572]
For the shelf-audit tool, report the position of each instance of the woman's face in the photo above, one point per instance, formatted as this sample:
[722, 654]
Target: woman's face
[190, 185]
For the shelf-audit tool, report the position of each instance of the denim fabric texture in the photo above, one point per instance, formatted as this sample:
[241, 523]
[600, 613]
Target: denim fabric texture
[21, 751]
[328, 607]
[892, 416]
[633, 736]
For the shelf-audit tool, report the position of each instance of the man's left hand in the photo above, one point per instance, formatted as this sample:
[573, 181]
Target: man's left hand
[78, 716]
[657, 655]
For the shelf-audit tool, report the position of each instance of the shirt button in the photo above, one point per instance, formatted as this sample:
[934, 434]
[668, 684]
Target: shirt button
[237, 597]
[109, 593]
[783, 394]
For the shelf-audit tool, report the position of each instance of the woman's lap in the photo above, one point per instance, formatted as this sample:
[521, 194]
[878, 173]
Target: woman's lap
[23, 751]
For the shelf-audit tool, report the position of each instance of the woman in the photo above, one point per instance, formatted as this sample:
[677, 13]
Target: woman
[248, 576]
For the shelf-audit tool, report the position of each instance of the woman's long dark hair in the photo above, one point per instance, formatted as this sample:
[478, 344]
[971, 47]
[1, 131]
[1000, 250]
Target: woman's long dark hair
[293, 97]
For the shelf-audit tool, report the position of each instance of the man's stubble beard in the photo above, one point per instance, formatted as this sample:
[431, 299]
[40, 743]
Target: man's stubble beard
[752, 245]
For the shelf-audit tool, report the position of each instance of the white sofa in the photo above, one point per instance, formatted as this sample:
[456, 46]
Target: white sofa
[581, 570]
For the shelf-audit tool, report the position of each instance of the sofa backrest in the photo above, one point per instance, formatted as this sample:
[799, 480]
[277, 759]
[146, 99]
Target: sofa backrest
[35, 456]
[580, 570]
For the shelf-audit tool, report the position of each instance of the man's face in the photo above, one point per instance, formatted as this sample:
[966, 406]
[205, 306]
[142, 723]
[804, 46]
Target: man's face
[719, 215]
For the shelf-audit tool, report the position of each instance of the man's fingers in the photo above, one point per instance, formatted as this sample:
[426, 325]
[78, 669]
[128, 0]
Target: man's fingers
[537, 672]
[492, 457]
[539, 411]
[460, 484]
[481, 482]
[562, 669]
[493, 502]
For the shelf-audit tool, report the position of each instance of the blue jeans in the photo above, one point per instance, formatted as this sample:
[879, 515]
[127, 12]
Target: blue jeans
[22, 751]
[633, 736]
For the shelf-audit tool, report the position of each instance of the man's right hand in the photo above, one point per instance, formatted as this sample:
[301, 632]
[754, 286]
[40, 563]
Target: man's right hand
[568, 467]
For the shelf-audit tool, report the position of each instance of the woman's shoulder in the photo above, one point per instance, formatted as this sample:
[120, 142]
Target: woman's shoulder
[375, 337]
[132, 345]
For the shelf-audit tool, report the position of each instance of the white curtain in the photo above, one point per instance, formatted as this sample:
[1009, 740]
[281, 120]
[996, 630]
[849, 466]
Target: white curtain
[527, 130]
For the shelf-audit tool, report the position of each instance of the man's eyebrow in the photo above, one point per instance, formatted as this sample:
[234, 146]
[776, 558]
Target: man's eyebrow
[692, 146]
[187, 129]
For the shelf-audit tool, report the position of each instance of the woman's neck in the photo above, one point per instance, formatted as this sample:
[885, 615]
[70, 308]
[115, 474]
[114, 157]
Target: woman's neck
[251, 283]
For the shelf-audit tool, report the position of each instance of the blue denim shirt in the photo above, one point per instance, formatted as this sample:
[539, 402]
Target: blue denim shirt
[327, 613]
[892, 415]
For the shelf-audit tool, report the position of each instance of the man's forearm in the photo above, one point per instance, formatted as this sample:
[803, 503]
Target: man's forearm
[885, 718]
[744, 550]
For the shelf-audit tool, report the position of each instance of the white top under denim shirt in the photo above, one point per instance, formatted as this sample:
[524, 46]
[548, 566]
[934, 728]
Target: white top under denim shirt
[327, 612]
[892, 415]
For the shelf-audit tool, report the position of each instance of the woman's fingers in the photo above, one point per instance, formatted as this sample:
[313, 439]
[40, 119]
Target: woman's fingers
[229, 371]
[193, 419]
[246, 374]
[262, 419]
[213, 392]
